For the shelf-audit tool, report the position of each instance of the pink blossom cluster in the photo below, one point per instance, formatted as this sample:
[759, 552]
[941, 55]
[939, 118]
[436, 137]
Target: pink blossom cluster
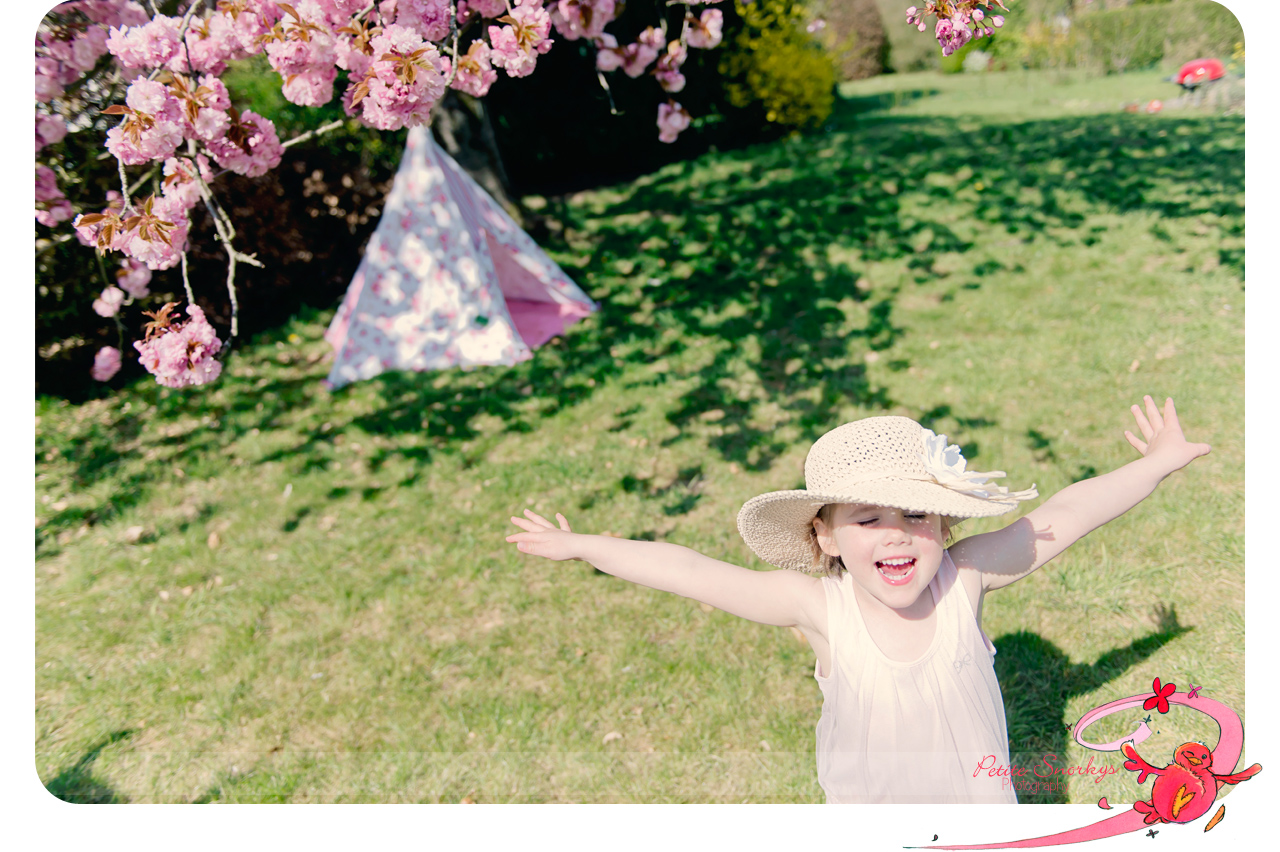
[301, 48]
[51, 129]
[475, 73]
[234, 31]
[667, 70]
[152, 127]
[64, 54]
[153, 233]
[158, 247]
[635, 58]
[108, 304]
[108, 13]
[133, 277]
[672, 119]
[150, 45]
[706, 31]
[182, 177]
[516, 46]
[52, 206]
[430, 18]
[250, 146]
[402, 84]
[575, 19]
[958, 21]
[180, 354]
[251, 20]
[480, 8]
[205, 105]
[89, 229]
[208, 44]
[105, 364]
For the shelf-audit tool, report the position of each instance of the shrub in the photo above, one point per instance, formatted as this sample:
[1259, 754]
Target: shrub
[775, 63]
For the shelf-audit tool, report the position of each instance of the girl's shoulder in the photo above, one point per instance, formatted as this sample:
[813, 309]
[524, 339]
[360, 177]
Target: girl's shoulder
[968, 575]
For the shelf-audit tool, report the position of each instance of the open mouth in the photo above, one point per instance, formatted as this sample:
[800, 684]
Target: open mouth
[897, 571]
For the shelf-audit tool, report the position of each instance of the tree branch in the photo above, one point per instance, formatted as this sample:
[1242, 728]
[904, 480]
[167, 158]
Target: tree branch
[124, 187]
[319, 131]
[186, 284]
[453, 51]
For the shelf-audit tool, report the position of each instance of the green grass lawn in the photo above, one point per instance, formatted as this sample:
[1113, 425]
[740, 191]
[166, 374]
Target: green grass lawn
[262, 591]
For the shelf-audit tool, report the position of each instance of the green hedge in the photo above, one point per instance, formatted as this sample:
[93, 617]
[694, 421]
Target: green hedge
[1131, 38]
[1144, 36]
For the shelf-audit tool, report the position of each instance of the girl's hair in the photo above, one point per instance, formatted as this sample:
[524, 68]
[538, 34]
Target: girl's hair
[833, 566]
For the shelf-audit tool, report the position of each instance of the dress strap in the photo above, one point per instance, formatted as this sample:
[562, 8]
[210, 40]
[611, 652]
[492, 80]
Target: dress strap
[963, 607]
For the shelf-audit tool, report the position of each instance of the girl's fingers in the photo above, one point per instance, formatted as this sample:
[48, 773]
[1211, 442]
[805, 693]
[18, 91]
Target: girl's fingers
[1143, 425]
[564, 524]
[1137, 445]
[1153, 413]
[541, 520]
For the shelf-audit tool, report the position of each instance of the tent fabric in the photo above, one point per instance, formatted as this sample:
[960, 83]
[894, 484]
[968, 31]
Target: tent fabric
[448, 279]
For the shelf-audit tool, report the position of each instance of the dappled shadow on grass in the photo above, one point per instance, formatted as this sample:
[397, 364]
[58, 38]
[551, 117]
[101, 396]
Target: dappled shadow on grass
[851, 108]
[741, 277]
[1037, 679]
[77, 782]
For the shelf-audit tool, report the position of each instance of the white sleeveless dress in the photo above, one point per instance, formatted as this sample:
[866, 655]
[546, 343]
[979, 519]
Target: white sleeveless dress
[895, 732]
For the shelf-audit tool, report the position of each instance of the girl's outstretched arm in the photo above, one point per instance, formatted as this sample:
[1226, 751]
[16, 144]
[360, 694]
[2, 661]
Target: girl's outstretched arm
[783, 598]
[1020, 548]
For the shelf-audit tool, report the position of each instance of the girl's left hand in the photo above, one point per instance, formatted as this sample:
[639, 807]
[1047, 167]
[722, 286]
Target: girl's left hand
[541, 538]
[1163, 434]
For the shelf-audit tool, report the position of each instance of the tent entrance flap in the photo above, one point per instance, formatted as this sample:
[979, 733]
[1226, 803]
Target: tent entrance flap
[536, 313]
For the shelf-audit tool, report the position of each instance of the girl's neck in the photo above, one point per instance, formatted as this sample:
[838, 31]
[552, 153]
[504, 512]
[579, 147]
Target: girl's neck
[920, 609]
[903, 635]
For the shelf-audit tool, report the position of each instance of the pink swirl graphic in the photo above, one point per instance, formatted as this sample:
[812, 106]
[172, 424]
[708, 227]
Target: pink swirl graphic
[1140, 734]
[1226, 754]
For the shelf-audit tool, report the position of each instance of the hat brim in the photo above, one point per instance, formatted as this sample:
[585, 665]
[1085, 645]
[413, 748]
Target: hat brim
[776, 525]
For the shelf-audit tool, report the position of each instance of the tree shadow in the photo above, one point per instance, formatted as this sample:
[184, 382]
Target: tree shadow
[757, 257]
[1037, 679]
[853, 106]
[77, 783]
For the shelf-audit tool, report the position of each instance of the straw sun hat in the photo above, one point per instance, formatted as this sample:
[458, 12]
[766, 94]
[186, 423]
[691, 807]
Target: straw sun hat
[881, 461]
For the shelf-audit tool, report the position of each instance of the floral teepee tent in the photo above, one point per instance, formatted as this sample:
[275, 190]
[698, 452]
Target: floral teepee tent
[448, 279]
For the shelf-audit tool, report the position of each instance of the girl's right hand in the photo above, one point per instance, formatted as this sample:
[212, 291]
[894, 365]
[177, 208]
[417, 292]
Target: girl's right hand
[1163, 436]
[541, 538]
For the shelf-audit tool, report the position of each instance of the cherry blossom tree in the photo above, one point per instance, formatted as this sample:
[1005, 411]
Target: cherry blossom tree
[158, 67]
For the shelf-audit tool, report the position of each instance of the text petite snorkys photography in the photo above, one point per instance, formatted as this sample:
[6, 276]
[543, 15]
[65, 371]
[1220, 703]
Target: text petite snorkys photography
[1045, 776]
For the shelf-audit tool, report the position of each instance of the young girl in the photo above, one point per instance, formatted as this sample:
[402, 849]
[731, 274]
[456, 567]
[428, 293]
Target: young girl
[911, 708]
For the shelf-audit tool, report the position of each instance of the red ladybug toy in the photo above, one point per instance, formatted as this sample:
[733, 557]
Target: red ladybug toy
[1186, 788]
[1197, 72]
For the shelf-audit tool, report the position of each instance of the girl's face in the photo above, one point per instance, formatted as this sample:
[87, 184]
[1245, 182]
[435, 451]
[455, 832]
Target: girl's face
[892, 554]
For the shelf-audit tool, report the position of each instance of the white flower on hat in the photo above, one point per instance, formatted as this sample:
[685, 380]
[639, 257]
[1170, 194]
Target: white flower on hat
[945, 464]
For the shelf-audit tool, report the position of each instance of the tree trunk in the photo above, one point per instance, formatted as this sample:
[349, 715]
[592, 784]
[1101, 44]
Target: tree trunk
[462, 127]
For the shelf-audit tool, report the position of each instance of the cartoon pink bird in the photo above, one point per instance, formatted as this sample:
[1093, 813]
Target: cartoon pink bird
[1186, 788]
